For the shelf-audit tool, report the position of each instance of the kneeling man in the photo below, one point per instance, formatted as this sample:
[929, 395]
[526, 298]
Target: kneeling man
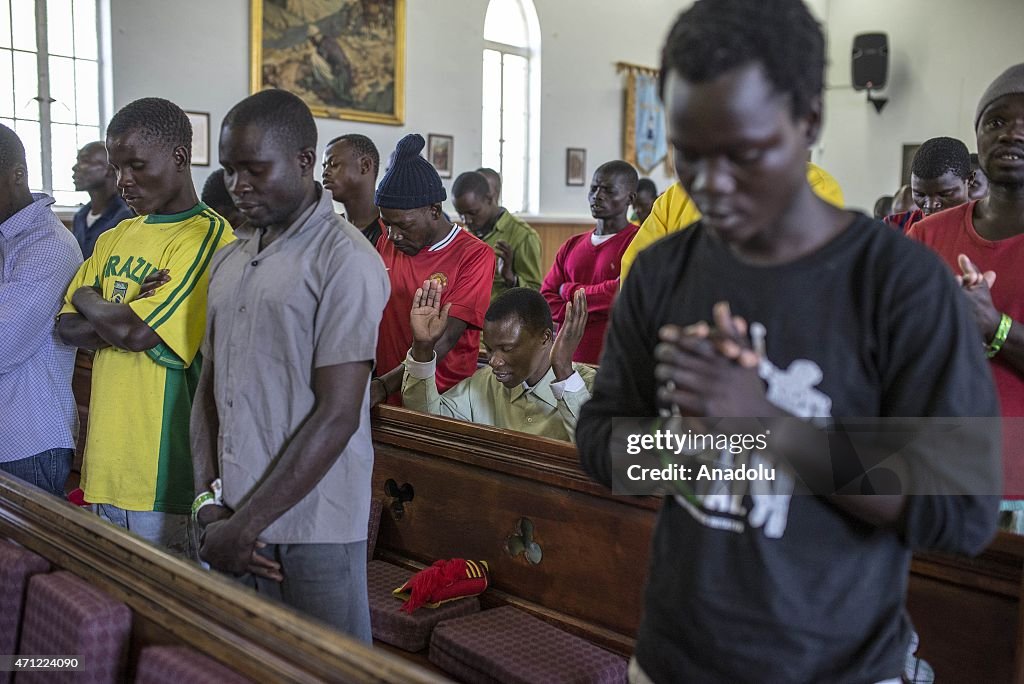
[531, 384]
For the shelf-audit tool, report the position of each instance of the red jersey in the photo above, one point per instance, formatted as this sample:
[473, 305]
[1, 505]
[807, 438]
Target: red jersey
[951, 233]
[464, 265]
[582, 265]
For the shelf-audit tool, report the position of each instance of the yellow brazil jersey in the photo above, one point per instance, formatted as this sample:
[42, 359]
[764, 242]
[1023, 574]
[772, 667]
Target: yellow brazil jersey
[674, 210]
[137, 454]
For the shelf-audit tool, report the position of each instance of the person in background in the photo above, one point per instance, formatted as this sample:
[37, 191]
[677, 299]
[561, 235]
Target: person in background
[979, 184]
[216, 196]
[590, 261]
[516, 245]
[493, 182]
[530, 385]
[904, 211]
[93, 174]
[38, 258]
[351, 163]
[646, 193]
[883, 207]
[421, 244]
[940, 175]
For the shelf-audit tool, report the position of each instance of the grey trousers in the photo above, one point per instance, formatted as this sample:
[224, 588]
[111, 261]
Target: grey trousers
[325, 581]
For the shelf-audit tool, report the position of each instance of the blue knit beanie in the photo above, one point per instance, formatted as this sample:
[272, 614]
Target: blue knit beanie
[410, 181]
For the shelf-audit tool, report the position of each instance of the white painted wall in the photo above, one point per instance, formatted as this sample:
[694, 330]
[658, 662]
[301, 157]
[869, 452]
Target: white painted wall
[943, 54]
[196, 53]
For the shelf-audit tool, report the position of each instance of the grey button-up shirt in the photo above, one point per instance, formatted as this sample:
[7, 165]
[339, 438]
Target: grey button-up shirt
[313, 298]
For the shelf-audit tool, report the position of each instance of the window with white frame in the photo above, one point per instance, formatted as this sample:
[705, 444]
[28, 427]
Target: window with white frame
[50, 86]
[510, 99]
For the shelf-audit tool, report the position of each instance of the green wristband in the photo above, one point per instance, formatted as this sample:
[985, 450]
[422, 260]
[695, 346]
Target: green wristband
[1002, 332]
[204, 499]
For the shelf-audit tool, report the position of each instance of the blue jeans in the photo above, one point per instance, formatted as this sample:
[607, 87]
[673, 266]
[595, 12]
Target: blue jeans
[325, 581]
[48, 470]
[172, 532]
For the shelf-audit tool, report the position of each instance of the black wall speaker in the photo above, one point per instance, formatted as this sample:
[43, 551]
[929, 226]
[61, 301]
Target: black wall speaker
[870, 61]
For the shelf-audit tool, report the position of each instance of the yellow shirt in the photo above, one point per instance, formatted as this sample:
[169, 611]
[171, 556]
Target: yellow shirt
[674, 210]
[137, 454]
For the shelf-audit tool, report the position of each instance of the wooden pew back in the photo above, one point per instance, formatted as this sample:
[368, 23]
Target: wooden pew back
[473, 484]
[176, 602]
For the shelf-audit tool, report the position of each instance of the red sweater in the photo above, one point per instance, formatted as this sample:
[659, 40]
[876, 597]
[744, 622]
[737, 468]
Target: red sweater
[581, 265]
[951, 233]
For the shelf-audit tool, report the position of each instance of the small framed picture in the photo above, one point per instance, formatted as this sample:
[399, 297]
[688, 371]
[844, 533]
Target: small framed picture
[200, 137]
[908, 160]
[575, 166]
[440, 153]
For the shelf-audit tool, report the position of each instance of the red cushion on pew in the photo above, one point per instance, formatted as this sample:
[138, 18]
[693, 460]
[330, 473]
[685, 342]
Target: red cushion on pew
[64, 615]
[182, 665]
[392, 625]
[17, 565]
[509, 646]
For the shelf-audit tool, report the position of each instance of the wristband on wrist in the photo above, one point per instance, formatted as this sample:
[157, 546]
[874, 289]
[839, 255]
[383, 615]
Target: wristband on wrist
[214, 497]
[1002, 332]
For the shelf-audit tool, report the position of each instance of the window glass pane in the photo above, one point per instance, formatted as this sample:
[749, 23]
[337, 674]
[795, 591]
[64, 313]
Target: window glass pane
[505, 23]
[6, 84]
[514, 131]
[64, 148]
[28, 131]
[26, 86]
[23, 24]
[86, 135]
[62, 89]
[66, 198]
[87, 81]
[86, 40]
[5, 23]
[60, 34]
[491, 129]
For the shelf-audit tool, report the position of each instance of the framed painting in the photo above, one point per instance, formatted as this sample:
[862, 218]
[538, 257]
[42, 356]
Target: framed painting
[344, 58]
[200, 137]
[439, 152]
[575, 166]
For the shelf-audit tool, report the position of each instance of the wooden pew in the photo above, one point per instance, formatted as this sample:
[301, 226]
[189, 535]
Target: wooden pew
[472, 483]
[175, 602]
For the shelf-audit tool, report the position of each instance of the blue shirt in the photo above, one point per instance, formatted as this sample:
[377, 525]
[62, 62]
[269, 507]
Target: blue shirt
[38, 258]
[86, 235]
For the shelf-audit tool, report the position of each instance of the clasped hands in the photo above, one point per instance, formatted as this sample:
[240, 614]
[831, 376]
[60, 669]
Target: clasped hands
[711, 371]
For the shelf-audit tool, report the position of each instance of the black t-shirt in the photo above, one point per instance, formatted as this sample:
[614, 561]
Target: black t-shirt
[789, 588]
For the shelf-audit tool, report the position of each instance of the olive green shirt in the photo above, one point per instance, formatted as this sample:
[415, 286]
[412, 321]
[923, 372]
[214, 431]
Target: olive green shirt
[525, 243]
[548, 409]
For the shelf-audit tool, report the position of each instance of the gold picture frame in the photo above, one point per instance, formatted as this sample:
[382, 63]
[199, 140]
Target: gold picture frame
[344, 58]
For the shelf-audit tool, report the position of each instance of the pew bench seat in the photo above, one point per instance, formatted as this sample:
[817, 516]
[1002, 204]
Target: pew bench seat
[409, 632]
[507, 646]
[17, 566]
